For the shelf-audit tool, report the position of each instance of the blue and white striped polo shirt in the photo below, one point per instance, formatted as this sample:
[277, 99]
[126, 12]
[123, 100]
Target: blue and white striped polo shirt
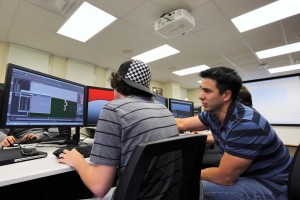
[247, 134]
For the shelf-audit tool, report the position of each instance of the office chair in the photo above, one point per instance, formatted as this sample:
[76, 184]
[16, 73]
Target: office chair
[164, 169]
[294, 177]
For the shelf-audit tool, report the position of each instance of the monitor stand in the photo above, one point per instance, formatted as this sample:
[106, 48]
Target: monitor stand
[75, 138]
[65, 137]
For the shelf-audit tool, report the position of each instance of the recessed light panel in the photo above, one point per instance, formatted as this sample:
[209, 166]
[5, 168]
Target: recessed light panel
[284, 69]
[267, 14]
[156, 54]
[279, 50]
[87, 21]
[191, 70]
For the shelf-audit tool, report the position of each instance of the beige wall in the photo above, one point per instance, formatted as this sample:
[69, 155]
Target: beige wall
[58, 66]
[3, 59]
[193, 95]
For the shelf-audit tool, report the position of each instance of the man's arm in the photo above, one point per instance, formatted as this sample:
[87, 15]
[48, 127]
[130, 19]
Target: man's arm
[3, 135]
[190, 124]
[98, 178]
[38, 134]
[230, 168]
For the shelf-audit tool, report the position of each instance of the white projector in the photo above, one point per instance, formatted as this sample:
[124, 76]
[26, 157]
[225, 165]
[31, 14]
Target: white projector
[175, 23]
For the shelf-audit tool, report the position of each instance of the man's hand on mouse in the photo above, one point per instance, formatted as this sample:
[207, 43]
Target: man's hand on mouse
[9, 140]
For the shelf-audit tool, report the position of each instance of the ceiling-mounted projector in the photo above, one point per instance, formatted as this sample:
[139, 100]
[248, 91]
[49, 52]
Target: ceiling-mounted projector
[175, 23]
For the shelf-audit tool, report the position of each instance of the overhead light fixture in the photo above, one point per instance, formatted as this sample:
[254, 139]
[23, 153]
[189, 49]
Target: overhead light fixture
[279, 50]
[191, 70]
[199, 81]
[86, 22]
[284, 69]
[267, 14]
[156, 54]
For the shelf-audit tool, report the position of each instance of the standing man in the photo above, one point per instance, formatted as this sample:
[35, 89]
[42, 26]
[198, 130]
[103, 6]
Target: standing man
[134, 117]
[255, 163]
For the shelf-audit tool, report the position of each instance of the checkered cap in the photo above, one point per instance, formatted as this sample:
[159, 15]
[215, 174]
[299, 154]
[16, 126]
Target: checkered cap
[137, 74]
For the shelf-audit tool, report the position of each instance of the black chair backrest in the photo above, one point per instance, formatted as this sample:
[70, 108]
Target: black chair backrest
[294, 177]
[164, 169]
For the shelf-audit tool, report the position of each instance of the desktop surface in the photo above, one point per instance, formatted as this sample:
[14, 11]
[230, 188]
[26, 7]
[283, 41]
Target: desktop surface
[33, 169]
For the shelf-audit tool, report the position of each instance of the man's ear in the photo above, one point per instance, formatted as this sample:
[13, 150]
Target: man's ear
[227, 95]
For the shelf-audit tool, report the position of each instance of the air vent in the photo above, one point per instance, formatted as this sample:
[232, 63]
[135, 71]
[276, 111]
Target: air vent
[61, 7]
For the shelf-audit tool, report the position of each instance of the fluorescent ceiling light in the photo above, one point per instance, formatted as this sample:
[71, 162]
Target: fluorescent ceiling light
[284, 69]
[199, 81]
[157, 53]
[191, 70]
[86, 22]
[279, 51]
[267, 14]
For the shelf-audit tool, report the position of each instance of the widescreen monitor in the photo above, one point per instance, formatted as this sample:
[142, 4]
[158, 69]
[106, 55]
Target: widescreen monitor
[96, 98]
[181, 108]
[35, 99]
[161, 99]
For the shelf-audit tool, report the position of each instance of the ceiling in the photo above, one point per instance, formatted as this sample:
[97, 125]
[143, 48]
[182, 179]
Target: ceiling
[213, 41]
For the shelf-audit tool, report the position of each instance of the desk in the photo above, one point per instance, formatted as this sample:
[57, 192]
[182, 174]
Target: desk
[44, 174]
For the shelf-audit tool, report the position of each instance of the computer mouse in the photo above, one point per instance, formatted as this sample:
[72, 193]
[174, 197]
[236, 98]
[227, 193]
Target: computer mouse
[29, 151]
[58, 151]
[13, 145]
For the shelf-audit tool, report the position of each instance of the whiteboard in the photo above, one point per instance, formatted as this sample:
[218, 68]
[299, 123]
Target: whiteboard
[277, 99]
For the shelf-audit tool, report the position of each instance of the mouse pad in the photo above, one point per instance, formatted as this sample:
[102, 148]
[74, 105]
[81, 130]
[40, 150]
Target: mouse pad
[14, 155]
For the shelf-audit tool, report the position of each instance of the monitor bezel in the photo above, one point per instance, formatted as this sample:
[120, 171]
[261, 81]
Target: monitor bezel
[183, 101]
[87, 124]
[165, 99]
[8, 79]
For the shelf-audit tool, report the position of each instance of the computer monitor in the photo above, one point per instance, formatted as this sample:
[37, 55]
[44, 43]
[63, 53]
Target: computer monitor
[35, 99]
[162, 100]
[97, 97]
[181, 108]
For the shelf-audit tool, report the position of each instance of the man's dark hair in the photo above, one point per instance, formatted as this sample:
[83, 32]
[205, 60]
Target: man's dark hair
[118, 84]
[244, 96]
[226, 78]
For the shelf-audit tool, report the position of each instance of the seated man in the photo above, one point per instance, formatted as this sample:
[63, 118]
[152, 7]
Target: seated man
[16, 135]
[255, 163]
[212, 157]
[132, 118]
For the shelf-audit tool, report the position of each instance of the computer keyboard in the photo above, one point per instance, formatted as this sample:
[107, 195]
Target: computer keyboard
[85, 150]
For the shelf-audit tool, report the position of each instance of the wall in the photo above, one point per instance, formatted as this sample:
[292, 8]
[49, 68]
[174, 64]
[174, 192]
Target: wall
[3, 60]
[58, 66]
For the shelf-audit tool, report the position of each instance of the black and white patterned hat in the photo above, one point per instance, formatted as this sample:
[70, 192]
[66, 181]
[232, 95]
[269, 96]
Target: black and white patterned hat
[137, 74]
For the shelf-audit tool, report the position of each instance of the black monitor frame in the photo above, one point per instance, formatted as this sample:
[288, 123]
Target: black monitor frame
[162, 100]
[39, 118]
[172, 108]
[105, 98]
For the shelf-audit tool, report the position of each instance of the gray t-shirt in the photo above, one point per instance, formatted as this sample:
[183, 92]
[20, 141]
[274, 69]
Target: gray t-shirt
[126, 122]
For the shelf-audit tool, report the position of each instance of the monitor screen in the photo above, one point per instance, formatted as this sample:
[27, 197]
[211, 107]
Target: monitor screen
[34, 99]
[161, 99]
[96, 98]
[181, 108]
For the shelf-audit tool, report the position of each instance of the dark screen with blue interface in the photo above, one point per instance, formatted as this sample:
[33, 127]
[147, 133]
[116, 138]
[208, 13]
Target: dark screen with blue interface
[181, 108]
[35, 99]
